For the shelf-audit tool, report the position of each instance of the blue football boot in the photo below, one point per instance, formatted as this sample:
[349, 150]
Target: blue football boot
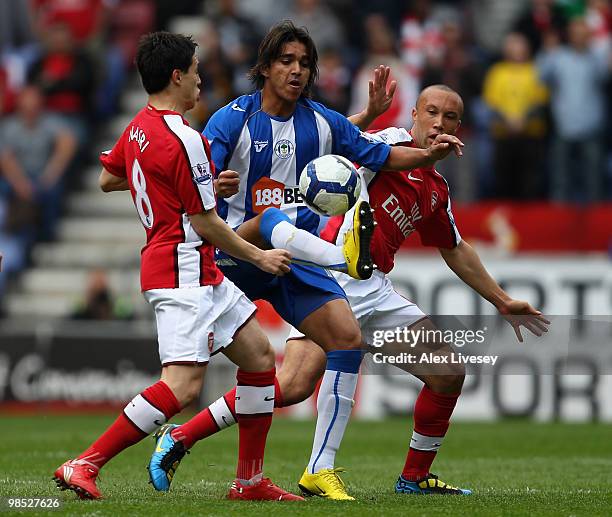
[166, 458]
[430, 484]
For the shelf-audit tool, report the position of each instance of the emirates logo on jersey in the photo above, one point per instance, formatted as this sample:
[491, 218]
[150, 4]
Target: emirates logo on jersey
[201, 174]
[404, 221]
[434, 199]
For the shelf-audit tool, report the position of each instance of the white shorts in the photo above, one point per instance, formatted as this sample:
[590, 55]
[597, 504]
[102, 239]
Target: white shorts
[194, 323]
[376, 305]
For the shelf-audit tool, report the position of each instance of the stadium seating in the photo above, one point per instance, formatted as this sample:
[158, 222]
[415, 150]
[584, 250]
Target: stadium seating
[97, 231]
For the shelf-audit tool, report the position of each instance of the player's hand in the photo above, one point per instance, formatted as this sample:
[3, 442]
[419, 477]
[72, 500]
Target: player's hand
[226, 184]
[379, 96]
[521, 314]
[443, 145]
[274, 261]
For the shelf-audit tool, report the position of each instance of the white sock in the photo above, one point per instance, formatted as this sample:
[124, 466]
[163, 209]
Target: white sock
[143, 414]
[221, 413]
[254, 400]
[306, 247]
[421, 442]
[334, 405]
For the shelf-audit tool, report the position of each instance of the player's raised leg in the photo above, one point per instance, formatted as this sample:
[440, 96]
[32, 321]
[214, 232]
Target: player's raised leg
[353, 258]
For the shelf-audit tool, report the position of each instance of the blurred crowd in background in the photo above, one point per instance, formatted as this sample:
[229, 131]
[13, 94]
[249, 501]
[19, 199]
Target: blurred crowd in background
[535, 76]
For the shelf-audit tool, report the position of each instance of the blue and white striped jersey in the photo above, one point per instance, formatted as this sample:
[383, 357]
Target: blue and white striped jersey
[270, 152]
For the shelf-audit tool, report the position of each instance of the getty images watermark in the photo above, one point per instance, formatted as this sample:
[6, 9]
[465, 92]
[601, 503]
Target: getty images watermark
[428, 346]
[488, 344]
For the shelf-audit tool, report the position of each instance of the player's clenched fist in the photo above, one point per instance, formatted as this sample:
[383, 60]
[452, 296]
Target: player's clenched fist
[226, 184]
[274, 261]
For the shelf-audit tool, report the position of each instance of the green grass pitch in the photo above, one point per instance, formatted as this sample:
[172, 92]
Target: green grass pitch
[514, 468]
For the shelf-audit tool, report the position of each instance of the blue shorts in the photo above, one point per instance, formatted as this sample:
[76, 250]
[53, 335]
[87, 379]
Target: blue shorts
[294, 296]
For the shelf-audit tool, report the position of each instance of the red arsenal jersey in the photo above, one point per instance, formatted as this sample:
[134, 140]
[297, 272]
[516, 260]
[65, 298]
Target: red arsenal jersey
[404, 202]
[168, 167]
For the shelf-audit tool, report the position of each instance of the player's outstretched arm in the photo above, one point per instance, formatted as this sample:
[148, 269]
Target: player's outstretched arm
[216, 231]
[466, 264]
[379, 98]
[404, 158]
[111, 183]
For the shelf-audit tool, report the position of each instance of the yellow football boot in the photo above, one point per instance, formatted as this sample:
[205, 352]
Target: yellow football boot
[357, 242]
[325, 483]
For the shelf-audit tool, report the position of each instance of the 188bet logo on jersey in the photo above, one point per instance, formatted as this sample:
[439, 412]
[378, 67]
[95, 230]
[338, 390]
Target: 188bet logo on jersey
[268, 192]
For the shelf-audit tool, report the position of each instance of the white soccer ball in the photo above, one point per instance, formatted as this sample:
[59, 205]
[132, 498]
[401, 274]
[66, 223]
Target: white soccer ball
[330, 185]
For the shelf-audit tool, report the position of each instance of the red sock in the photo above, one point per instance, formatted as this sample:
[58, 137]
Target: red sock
[141, 416]
[219, 415]
[254, 408]
[432, 412]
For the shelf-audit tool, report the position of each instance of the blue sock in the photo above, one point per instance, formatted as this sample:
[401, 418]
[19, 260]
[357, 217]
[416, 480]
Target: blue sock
[344, 360]
[270, 218]
[305, 248]
[334, 405]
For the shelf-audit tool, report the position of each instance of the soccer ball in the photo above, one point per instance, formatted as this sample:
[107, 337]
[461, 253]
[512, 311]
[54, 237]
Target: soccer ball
[330, 185]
